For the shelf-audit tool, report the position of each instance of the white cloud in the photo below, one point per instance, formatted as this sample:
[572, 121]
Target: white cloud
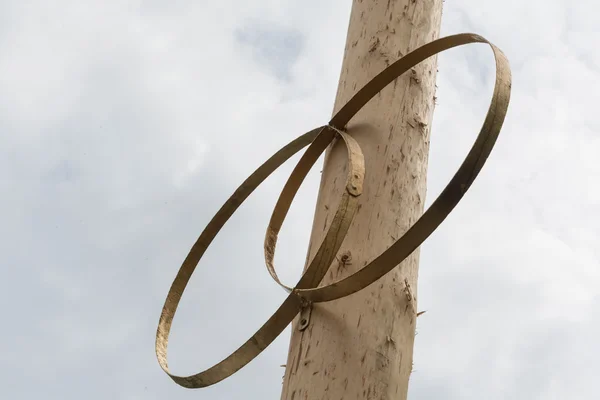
[127, 124]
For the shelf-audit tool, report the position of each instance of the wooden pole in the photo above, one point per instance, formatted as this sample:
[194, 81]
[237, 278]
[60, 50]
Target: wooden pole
[360, 347]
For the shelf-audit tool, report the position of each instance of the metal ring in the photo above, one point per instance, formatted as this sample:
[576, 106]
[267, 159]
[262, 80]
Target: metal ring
[338, 228]
[378, 267]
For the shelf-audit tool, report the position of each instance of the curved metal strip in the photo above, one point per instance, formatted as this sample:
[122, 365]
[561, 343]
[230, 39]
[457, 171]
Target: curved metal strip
[338, 228]
[274, 326]
[456, 188]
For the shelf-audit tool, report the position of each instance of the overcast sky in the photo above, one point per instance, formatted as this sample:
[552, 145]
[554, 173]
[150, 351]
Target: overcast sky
[124, 125]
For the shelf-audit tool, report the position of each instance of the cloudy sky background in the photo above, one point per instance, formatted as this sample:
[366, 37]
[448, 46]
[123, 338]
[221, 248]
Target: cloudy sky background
[124, 125]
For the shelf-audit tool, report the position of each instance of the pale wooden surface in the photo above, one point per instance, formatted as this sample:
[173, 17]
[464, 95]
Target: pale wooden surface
[360, 347]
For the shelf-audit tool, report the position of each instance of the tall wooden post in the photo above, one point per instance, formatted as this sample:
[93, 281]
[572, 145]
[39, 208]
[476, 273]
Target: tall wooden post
[361, 346]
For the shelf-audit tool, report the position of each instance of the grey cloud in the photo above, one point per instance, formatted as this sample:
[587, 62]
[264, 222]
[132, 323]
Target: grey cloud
[275, 48]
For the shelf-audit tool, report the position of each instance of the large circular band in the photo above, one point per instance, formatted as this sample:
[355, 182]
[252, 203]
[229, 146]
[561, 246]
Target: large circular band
[306, 290]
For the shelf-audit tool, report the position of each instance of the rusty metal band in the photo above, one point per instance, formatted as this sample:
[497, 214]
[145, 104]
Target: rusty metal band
[319, 139]
[306, 290]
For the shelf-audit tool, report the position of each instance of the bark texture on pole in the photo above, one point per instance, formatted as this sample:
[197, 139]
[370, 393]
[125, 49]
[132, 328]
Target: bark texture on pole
[361, 346]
